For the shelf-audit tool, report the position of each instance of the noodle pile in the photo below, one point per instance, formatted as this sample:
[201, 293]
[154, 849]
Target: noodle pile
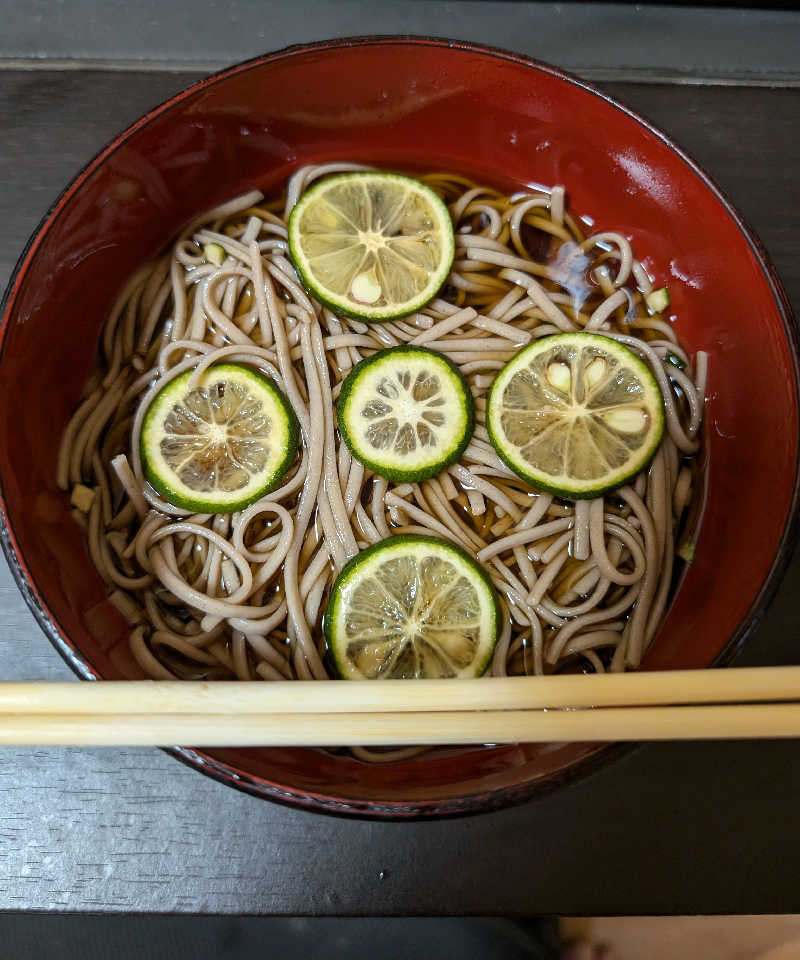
[583, 584]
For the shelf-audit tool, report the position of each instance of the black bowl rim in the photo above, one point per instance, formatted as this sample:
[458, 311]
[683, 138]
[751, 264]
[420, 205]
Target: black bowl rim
[481, 801]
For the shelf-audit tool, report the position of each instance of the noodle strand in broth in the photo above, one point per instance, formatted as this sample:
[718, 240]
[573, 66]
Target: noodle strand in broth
[583, 585]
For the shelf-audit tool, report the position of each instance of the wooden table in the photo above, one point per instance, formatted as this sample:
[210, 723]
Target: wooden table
[669, 828]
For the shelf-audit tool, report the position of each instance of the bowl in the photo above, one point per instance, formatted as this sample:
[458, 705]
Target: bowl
[405, 103]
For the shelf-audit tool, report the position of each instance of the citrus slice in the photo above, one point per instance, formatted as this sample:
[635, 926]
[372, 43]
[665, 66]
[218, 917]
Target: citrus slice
[577, 414]
[372, 245]
[406, 413]
[221, 445]
[412, 607]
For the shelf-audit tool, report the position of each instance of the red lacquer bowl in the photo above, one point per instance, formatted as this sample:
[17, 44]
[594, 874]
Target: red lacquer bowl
[406, 103]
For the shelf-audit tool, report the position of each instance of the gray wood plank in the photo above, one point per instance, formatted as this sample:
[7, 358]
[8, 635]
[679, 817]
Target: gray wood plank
[27, 936]
[595, 39]
[670, 828]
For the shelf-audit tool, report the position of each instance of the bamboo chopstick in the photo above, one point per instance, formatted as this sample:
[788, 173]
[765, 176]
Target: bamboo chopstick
[748, 685]
[743, 703]
[460, 727]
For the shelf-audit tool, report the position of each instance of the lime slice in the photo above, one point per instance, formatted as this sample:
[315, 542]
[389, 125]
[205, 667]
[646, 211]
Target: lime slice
[372, 245]
[412, 607]
[406, 413]
[577, 414]
[221, 445]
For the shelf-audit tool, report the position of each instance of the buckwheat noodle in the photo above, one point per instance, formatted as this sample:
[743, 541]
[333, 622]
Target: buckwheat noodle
[583, 585]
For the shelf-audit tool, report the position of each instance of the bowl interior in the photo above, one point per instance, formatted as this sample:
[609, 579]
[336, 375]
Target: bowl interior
[404, 104]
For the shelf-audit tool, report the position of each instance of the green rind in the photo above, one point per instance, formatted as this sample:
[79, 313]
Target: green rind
[391, 473]
[396, 543]
[535, 480]
[197, 505]
[342, 309]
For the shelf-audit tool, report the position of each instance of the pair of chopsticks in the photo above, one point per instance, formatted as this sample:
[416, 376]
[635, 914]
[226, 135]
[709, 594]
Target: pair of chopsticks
[677, 705]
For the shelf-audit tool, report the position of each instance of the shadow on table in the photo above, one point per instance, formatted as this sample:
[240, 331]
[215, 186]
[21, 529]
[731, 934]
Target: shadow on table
[36, 936]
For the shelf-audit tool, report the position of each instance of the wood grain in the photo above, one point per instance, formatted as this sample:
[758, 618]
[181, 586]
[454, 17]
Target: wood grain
[640, 41]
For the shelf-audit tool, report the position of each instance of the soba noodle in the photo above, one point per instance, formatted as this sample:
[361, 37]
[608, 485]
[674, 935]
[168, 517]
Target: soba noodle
[583, 585]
